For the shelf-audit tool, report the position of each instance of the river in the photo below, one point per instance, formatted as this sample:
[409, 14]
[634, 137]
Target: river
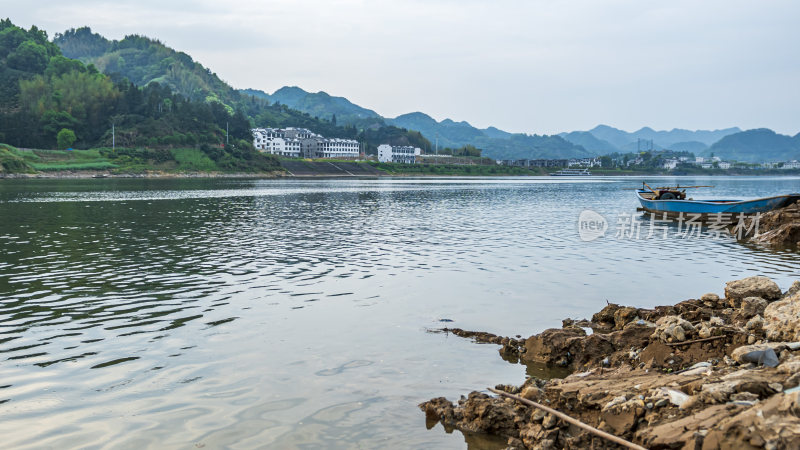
[177, 313]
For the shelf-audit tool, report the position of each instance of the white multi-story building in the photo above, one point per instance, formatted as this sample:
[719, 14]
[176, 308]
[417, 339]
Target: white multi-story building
[398, 154]
[791, 165]
[301, 142]
[584, 162]
[724, 165]
[670, 164]
[338, 148]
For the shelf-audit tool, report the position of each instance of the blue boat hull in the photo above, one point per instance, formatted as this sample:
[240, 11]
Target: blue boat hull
[759, 205]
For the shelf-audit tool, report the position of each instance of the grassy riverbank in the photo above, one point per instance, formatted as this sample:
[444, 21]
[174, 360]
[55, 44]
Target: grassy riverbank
[135, 161]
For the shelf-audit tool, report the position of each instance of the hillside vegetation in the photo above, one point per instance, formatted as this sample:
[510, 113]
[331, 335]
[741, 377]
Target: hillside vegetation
[757, 145]
[145, 62]
[49, 101]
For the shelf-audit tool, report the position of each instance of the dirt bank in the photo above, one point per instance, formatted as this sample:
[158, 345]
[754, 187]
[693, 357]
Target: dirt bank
[706, 373]
[779, 228]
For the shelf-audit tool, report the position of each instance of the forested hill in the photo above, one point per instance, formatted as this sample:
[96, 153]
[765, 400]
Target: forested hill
[46, 95]
[142, 61]
[145, 61]
[163, 100]
[757, 145]
[320, 104]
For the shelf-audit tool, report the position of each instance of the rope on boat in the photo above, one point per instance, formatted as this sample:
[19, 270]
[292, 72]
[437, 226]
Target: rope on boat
[568, 419]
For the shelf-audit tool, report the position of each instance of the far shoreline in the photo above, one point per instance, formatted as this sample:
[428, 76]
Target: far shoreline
[101, 174]
[83, 175]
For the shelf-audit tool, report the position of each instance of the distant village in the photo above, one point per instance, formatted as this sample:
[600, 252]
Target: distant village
[713, 162]
[303, 143]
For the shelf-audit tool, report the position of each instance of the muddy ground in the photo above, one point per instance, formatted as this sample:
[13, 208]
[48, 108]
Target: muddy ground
[706, 373]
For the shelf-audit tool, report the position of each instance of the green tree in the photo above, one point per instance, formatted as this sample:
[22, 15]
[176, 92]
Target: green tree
[29, 57]
[65, 138]
[60, 65]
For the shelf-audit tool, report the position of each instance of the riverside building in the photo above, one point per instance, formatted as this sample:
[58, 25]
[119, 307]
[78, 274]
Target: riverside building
[303, 143]
[398, 154]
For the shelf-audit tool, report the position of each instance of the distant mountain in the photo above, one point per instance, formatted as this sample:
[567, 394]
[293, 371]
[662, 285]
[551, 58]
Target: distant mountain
[447, 132]
[531, 146]
[494, 142]
[318, 104]
[614, 136]
[665, 139]
[615, 140]
[493, 132]
[676, 135]
[757, 145]
[590, 142]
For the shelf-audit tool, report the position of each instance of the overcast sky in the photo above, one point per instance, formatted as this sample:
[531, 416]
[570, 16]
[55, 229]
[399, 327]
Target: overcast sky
[524, 66]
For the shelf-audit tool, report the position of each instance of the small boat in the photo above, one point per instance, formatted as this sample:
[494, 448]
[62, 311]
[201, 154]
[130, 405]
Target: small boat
[672, 200]
[571, 173]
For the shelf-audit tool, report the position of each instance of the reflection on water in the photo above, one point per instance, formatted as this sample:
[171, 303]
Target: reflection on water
[246, 313]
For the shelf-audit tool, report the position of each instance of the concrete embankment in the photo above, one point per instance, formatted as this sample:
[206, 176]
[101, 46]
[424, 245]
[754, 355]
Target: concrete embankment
[300, 168]
[706, 373]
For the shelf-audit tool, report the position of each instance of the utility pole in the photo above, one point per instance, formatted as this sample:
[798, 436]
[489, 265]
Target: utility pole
[113, 138]
[226, 134]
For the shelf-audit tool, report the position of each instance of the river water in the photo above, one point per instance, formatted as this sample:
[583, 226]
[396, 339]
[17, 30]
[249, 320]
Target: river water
[298, 313]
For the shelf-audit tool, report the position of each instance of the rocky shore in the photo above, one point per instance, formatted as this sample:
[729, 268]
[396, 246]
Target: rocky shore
[779, 228]
[706, 373]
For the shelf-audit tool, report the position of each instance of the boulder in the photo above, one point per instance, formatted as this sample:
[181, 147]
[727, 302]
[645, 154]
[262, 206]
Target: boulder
[672, 329]
[793, 289]
[624, 315]
[614, 316]
[753, 306]
[782, 319]
[761, 354]
[711, 300]
[762, 287]
[755, 324]
[550, 345]
[621, 417]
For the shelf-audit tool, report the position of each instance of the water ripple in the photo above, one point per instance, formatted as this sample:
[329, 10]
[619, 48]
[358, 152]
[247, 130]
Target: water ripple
[211, 312]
